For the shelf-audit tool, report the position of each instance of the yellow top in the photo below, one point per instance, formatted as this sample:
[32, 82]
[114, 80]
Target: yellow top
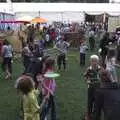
[30, 106]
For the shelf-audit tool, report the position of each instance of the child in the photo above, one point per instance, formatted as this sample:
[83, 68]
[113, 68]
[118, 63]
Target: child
[62, 47]
[48, 88]
[92, 76]
[83, 49]
[111, 64]
[26, 54]
[31, 108]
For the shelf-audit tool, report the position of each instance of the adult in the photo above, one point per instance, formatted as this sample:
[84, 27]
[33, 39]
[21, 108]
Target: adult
[107, 98]
[118, 47]
[92, 39]
[7, 54]
[104, 48]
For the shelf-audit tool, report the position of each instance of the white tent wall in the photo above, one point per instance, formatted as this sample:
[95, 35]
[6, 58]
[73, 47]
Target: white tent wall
[56, 16]
[62, 11]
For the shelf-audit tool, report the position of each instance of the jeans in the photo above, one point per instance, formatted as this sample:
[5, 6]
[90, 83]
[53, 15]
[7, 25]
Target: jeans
[7, 64]
[82, 58]
[61, 60]
[46, 107]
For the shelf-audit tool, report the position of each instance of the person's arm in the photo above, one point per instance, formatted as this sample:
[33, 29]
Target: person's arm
[48, 88]
[114, 63]
[86, 75]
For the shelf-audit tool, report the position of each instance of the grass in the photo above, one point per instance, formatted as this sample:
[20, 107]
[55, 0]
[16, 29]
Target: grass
[70, 94]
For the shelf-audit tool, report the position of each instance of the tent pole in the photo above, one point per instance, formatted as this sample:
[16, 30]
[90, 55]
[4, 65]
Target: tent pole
[39, 14]
[104, 20]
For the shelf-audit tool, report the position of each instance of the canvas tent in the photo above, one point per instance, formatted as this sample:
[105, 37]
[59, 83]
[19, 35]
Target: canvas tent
[6, 14]
[63, 11]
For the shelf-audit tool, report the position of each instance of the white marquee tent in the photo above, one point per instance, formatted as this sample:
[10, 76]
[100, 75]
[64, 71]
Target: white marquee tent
[61, 11]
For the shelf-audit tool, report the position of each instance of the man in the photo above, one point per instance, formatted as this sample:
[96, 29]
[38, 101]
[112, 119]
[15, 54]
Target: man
[92, 39]
[62, 47]
[104, 48]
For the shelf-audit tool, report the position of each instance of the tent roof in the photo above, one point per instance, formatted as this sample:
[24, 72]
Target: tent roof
[91, 8]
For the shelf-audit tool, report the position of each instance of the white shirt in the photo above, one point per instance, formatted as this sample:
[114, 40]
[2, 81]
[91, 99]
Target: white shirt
[110, 64]
[83, 48]
[47, 37]
[62, 46]
[7, 50]
[91, 33]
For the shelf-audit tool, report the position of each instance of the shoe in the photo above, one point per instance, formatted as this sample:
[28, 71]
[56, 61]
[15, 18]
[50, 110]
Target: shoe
[87, 116]
[8, 77]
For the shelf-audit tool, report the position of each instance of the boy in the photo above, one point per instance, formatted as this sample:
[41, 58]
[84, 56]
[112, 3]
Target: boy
[92, 76]
[62, 47]
[83, 49]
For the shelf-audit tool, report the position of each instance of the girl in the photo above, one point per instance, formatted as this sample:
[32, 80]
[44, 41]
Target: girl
[31, 108]
[111, 64]
[7, 54]
[48, 89]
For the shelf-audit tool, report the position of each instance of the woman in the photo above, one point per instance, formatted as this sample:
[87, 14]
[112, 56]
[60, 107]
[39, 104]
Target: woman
[7, 54]
[107, 98]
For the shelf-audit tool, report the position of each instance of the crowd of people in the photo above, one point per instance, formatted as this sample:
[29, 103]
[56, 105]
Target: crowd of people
[37, 83]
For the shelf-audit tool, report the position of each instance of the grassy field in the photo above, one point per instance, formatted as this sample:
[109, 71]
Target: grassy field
[70, 95]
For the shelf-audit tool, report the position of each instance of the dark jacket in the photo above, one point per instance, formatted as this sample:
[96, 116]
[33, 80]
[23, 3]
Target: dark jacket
[103, 43]
[107, 99]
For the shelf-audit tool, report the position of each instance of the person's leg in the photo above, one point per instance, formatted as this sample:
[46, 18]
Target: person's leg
[59, 62]
[90, 101]
[6, 68]
[90, 43]
[3, 64]
[64, 61]
[45, 109]
[80, 58]
[10, 65]
[114, 75]
[83, 59]
[53, 108]
[93, 43]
